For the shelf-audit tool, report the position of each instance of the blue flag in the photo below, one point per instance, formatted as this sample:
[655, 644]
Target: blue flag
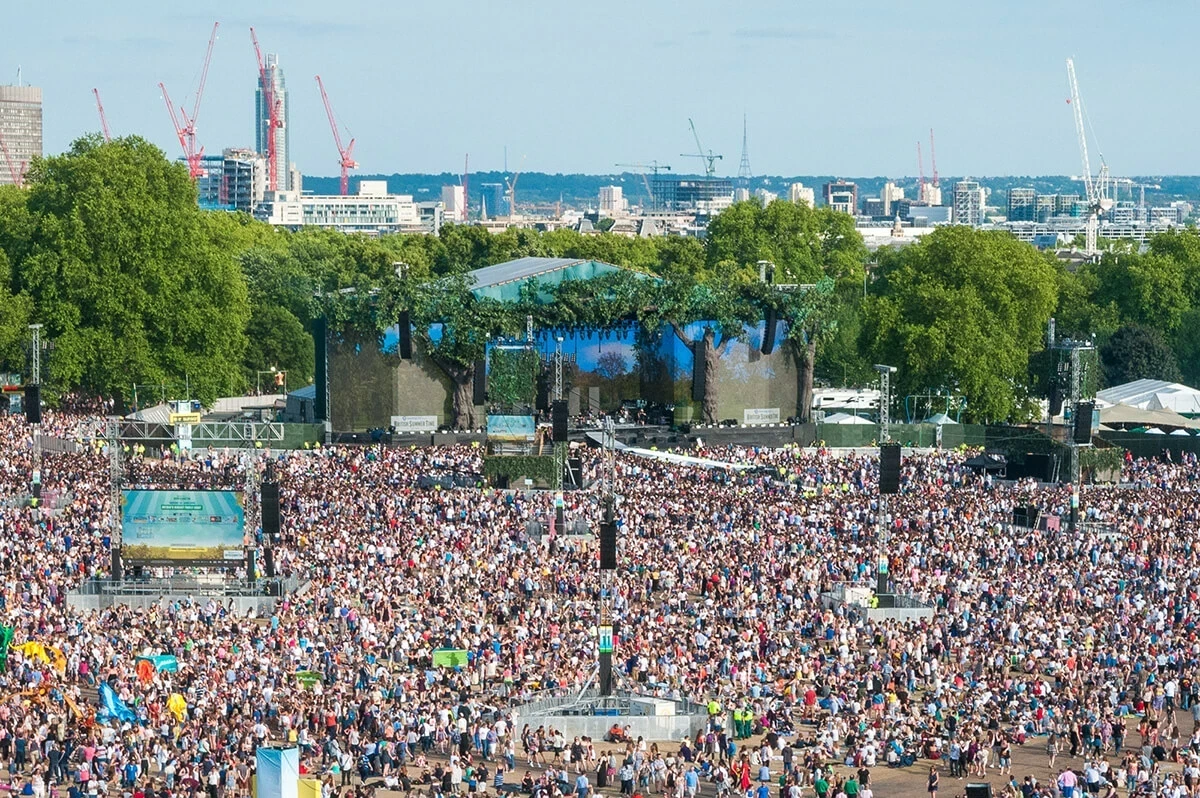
[112, 707]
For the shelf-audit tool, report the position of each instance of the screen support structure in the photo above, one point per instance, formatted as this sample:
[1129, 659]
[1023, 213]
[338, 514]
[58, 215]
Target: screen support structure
[881, 521]
[251, 508]
[112, 432]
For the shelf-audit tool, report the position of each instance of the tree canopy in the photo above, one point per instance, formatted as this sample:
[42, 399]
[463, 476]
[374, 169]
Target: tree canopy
[962, 310]
[135, 285]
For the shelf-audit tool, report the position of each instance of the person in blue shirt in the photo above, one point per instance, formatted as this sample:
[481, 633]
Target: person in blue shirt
[582, 788]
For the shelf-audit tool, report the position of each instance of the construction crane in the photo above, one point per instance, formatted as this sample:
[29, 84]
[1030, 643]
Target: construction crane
[185, 124]
[345, 154]
[274, 106]
[103, 119]
[653, 166]
[933, 159]
[15, 170]
[1096, 189]
[511, 187]
[709, 159]
[922, 192]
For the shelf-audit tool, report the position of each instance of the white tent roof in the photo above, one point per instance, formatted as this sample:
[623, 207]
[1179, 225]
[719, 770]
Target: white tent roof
[846, 418]
[939, 419]
[1153, 395]
[1124, 414]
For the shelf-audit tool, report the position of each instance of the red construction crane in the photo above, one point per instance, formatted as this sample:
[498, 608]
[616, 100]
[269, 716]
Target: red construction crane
[921, 171]
[187, 130]
[345, 154]
[103, 119]
[933, 158]
[266, 82]
[15, 170]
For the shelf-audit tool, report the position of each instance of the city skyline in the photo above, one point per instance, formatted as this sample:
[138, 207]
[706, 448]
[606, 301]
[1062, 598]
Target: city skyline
[845, 90]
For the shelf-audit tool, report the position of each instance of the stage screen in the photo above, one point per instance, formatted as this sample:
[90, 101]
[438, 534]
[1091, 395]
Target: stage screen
[174, 526]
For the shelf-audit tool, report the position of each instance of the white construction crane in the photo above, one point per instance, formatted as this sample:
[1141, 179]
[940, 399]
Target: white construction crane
[709, 158]
[1096, 188]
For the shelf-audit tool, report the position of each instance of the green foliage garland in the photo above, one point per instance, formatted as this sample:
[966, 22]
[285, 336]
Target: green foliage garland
[512, 376]
[539, 468]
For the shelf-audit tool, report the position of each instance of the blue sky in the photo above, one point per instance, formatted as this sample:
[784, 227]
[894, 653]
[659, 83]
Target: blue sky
[829, 88]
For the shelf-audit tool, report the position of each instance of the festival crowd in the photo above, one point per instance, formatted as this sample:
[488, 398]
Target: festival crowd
[1079, 643]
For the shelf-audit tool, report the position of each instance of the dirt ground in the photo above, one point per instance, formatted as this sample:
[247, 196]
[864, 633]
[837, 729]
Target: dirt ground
[1027, 760]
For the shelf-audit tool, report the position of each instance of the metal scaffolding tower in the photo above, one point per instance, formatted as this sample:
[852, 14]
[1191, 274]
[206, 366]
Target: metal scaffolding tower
[881, 526]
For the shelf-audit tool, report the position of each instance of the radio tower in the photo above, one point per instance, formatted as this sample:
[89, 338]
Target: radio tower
[744, 173]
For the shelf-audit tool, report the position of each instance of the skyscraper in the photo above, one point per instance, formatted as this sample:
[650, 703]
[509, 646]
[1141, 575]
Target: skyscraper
[1022, 205]
[20, 129]
[969, 199]
[261, 118]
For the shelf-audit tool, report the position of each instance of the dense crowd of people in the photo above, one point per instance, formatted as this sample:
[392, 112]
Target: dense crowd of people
[1077, 642]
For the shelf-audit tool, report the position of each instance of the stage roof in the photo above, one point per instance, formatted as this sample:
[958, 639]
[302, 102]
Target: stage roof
[503, 281]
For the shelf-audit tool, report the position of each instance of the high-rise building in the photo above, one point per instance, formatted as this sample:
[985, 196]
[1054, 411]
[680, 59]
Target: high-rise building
[492, 200]
[454, 198]
[968, 203]
[20, 129]
[891, 193]
[261, 118]
[1022, 205]
[765, 197]
[235, 180]
[798, 192]
[842, 196]
[612, 201]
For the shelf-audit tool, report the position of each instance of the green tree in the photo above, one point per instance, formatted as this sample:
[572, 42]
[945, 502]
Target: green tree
[1187, 347]
[1135, 352]
[962, 309]
[123, 270]
[1147, 289]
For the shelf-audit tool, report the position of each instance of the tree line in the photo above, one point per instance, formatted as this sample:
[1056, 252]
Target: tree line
[135, 285]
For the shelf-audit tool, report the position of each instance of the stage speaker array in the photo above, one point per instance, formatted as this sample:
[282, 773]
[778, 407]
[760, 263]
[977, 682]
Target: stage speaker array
[559, 415]
[608, 545]
[768, 342]
[320, 333]
[405, 344]
[699, 371]
[1083, 422]
[33, 404]
[269, 509]
[479, 384]
[889, 468]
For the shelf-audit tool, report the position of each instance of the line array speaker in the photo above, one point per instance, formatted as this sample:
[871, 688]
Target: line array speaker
[768, 342]
[608, 546]
[405, 345]
[269, 509]
[699, 371]
[889, 468]
[1083, 422]
[320, 335]
[33, 403]
[558, 416]
[479, 383]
